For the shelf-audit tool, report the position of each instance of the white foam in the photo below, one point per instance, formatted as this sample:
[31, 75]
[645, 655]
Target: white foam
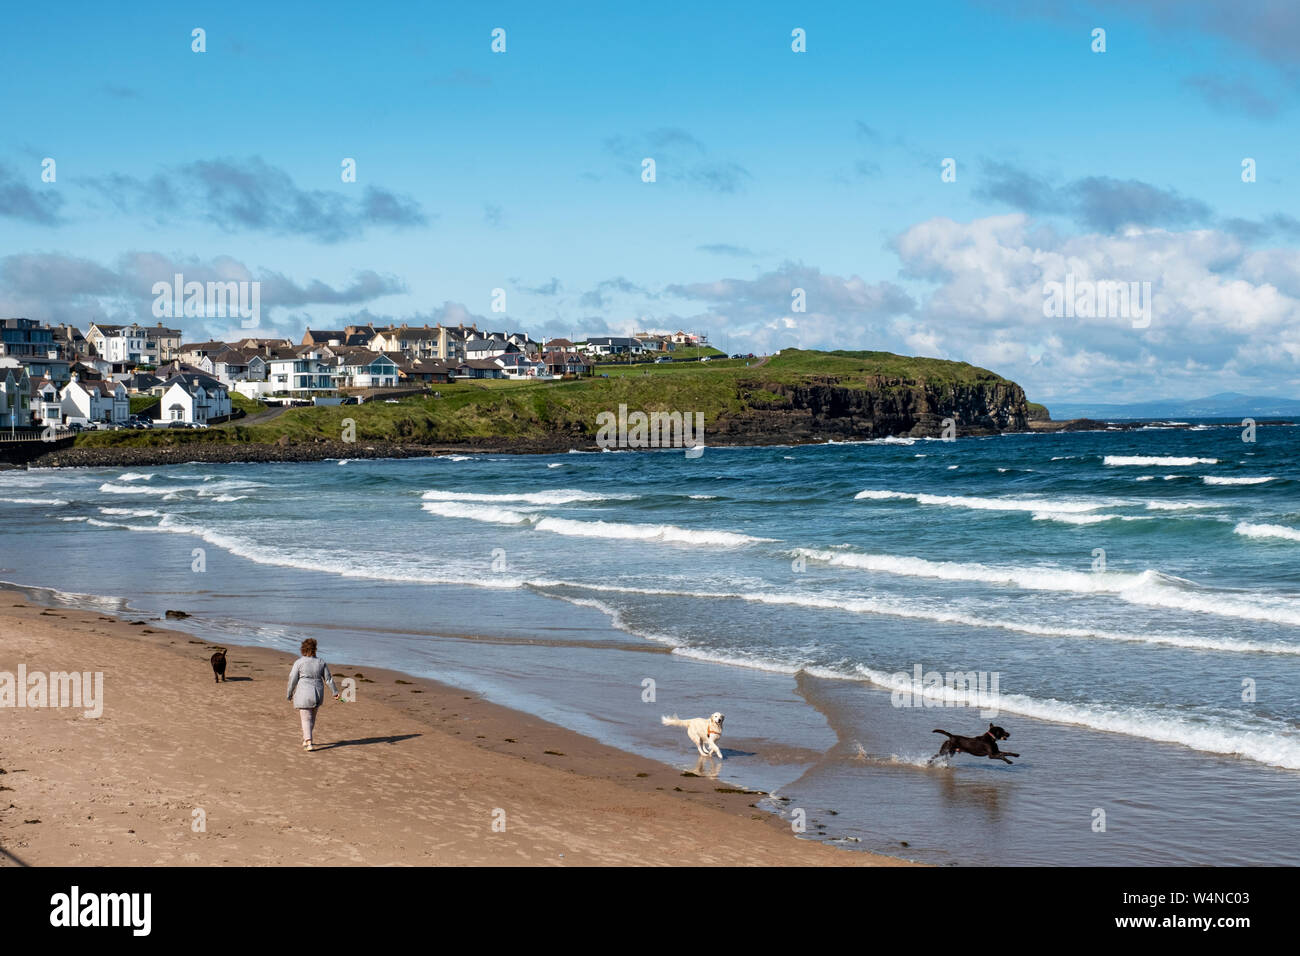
[646, 532]
[472, 512]
[1275, 748]
[1044, 505]
[109, 488]
[132, 512]
[135, 476]
[562, 496]
[668, 533]
[1211, 480]
[1267, 531]
[1149, 587]
[1171, 460]
[33, 501]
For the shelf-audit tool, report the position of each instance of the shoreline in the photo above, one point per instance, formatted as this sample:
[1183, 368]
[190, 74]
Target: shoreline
[413, 772]
[214, 452]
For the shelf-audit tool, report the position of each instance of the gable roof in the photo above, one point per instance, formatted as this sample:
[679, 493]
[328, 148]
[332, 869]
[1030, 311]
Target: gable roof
[190, 380]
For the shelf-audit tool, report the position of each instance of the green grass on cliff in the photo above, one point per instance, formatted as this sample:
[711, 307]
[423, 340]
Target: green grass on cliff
[471, 411]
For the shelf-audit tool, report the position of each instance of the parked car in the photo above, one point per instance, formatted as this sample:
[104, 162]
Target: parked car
[178, 424]
[662, 359]
[390, 401]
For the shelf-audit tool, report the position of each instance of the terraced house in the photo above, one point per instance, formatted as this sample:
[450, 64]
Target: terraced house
[423, 342]
[15, 398]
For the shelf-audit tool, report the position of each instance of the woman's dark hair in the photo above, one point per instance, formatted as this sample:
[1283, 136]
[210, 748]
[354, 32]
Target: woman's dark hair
[308, 647]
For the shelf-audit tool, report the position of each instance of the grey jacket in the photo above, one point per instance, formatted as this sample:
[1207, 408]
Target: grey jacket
[309, 676]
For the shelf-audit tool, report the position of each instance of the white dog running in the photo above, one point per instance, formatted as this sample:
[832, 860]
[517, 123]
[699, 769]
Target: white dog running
[703, 731]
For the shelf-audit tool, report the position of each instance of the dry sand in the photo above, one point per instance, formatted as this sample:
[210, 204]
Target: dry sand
[413, 772]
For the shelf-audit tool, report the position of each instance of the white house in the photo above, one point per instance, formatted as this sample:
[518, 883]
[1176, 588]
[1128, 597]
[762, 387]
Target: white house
[45, 403]
[613, 345]
[301, 371]
[489, 347]
[15, 398]
[127, 345]
[519, 365]
[94, 401]
[362, 368]
[195, 399]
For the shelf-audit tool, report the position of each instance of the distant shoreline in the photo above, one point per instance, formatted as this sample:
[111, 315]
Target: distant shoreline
[257, 452]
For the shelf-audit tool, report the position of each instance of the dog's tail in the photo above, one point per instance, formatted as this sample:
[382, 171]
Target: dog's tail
[674, 721]
[944, 732]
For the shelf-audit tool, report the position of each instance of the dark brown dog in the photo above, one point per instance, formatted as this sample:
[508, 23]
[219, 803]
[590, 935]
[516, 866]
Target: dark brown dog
[985, 745]
[219, 665]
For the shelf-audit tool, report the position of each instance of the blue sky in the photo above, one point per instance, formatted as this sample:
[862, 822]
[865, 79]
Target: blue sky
[776, 170]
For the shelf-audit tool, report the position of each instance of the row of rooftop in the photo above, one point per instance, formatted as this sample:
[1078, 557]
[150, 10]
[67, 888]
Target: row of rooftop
[100, 369]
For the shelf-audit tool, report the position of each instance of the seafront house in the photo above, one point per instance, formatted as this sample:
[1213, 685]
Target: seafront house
[561, 363]
[300, 371]
[15, 398]
[518, 365]
[265, 346]
[46, 407]
[125, 345]
[613, 345]
[191, 353]
[194, 399]
[27, 343]
[70, 342]
[423, 342]
[423, 371]
[85, 402]
[655, 341]
[362, 368]
[354, 335]
[228, 365]
[479, 368]
[489, 347]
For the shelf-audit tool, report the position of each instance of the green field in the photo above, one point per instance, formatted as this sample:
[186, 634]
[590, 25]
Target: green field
[501, 409]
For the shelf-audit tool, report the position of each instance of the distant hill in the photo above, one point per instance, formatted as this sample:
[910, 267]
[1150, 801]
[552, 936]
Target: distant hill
[1223, 405]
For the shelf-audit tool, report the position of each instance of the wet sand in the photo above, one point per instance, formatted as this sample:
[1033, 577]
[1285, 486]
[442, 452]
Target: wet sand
[180, 770]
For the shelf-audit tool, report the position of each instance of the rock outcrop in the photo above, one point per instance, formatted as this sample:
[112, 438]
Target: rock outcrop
[816, 411]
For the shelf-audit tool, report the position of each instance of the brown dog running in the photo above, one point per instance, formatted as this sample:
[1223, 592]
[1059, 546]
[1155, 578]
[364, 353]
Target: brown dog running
[219, 666]
[985, 745]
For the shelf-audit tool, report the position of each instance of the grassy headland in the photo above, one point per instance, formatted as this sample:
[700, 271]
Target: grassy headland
[499, 412]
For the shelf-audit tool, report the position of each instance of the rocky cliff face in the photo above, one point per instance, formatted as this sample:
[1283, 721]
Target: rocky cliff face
[813, 411]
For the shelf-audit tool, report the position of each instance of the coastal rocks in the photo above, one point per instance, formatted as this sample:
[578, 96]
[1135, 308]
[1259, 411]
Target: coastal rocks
[285, 451]
[885, 407]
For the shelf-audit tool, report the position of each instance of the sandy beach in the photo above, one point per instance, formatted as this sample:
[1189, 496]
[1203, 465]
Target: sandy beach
[181, 771]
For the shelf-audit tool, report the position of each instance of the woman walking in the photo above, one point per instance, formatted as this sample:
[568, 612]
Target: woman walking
[309, 676]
